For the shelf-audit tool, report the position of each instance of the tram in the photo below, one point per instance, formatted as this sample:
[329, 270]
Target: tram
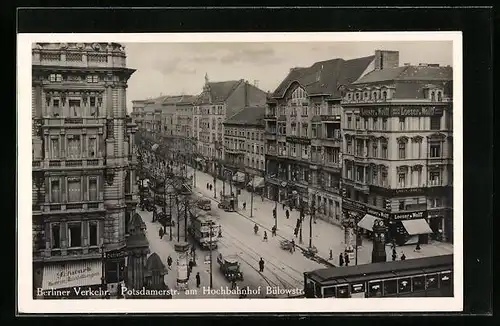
[420, 277]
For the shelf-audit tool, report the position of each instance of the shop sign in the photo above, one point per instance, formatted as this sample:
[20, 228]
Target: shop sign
[419, 111]
[115, 254]
[409, 216]
[68, 275]
[440, 212]
[409, 191]
[377, 213]
[375, 112]
[348, 204]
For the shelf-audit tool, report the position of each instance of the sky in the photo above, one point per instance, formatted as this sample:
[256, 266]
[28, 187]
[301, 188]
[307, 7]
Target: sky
[180, 68]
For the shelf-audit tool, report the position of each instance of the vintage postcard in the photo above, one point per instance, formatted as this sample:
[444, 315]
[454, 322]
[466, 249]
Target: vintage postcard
[276, 171]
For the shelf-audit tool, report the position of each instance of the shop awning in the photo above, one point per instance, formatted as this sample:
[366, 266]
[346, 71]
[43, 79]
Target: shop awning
[418, 226]
[258, 182]
[70, 274]
[239, 177]
[367, 222]
[155, 147]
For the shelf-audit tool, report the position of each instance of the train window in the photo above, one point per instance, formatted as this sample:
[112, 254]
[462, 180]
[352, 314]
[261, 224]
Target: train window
[418, 283]
[390, 287]
[375, 289]
[445, 280]
[329, 292]
[431, 281]
[343, 291]
[404, 285]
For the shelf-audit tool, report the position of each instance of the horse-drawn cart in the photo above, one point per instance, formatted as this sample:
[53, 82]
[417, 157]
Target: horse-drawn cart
[286, 245]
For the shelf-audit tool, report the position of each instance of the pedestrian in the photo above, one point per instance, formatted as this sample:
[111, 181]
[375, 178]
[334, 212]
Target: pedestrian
[169, 262]
[296, 231]
[346, 259]
[274, 212]
[244, 205]
[273, 231]
[298, 223]
[417, 249]
[265, 236]
[210, 187]
[161, 233]
[403, 257]
[293, 245]
[198, 280]
[233, 283]
[262, 197]
[287, 214]
[331, 255]
[261, 265]
[341, 260]
[393, 245]
[284, 206]
[394, 256]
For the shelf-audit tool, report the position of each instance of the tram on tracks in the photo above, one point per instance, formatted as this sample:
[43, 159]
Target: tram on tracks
[420, 277]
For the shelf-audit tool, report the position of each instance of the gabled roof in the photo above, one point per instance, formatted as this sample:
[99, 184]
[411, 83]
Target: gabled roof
[154, 263]
[219, 91]
[429, 73]
[325, 77]
[248, 116]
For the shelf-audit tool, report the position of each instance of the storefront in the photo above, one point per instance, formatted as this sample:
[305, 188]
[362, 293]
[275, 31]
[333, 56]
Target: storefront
[441, 224]
[410, 228]
[71, 280]
[116, 262]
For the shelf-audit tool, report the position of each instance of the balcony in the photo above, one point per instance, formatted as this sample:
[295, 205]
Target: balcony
[234, 151]
[270, 134]
[332, 142]
[74, 122]
[333, 164]
[270, 116]
[94, 163]
[77, 207]
[357, 185]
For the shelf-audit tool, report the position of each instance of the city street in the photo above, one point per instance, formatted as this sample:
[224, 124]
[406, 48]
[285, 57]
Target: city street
[326, 236]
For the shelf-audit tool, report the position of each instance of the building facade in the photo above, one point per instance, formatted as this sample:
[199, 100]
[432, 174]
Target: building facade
[398, 149]
[137, 113]
[217, 102]
[303, 136]
[244, 144]
[83, 165]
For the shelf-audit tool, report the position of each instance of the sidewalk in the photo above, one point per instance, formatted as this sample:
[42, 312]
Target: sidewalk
[164, 247]
[326, 236]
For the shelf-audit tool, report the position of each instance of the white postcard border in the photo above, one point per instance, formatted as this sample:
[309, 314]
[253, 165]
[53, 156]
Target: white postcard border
[25, 301]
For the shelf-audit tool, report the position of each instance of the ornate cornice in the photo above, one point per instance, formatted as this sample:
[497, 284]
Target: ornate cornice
[402, 139]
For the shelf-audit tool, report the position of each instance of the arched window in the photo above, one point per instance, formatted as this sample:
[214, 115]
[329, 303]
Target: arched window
[384, 95]
[439, 96]
[357, 96]
[432, 96]
[375, 95]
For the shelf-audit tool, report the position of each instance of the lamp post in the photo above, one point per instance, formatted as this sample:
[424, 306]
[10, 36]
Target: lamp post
[251, 196]
[312, 213]
[210, 247]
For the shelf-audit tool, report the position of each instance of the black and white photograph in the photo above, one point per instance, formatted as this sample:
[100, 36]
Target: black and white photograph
[284, 168]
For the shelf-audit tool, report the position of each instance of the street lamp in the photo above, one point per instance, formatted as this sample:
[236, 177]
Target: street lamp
[283, 185]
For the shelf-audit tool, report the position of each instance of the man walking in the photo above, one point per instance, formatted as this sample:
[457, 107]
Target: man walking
[169, 262]
[346, 259]
[161, 233]
[198, 280]
[261, 265]
[341, 260]
[287, 214]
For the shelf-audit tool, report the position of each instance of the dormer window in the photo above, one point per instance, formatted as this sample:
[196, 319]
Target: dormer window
[439, 96]
[357, 96]
[375, 95]
[55, 77]
[432, 97]
[349, 96]
[384, 95]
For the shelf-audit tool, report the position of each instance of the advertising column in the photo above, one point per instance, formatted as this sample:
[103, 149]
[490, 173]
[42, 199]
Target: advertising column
[182, 249]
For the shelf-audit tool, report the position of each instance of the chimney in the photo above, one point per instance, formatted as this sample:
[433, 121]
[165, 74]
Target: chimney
[246, 93]
[386, 59]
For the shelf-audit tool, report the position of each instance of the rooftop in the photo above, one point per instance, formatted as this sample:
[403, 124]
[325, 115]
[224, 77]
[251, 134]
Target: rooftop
[422, 73]
[248, 116]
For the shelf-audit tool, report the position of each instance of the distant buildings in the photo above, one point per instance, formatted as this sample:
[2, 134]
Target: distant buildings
[217, 102]
[244, 145]
[83, 165]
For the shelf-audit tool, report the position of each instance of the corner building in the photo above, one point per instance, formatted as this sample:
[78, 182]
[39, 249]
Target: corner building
[303, 134]
[398, 150]
[83, 165]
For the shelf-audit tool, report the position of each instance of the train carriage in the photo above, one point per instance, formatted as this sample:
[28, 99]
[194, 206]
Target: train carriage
[421, 277]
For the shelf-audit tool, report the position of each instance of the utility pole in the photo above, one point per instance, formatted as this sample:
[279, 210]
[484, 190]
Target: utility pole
[171, 219]
[311, 225]
[210, 246]
[185, 219]
[178, 221]
[251, 197]
[215, 188]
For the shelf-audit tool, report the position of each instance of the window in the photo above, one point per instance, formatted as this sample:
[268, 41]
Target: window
[93, 189]
[419, 177]
[402, 180]
[92, 147]
[384, 95]
[402, 150]
[54, 147]
[384, 150]
[404, 285]
[432, 97]
[384, 124]
[314, 131]
[74, 190]
[75, 235]
[402, 123]
[431, 281]
[419, 149]
[418, 283]
[93, 109]
[349, 146]
[55, 77]
[384, 178]
[74, 150]
[55, 192]
[343, 290]
[435, 178]
[375, 148]
[435, 149]
[435, 123]
[349, 122]
[390, 287]
[375, 124]
[365, 126]
[401, 205]
[329, 292]
[56, 236]
[359, 174]
[357, 123]
[93, 234]
[375, 289]
[74, 107]
[293, 150]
